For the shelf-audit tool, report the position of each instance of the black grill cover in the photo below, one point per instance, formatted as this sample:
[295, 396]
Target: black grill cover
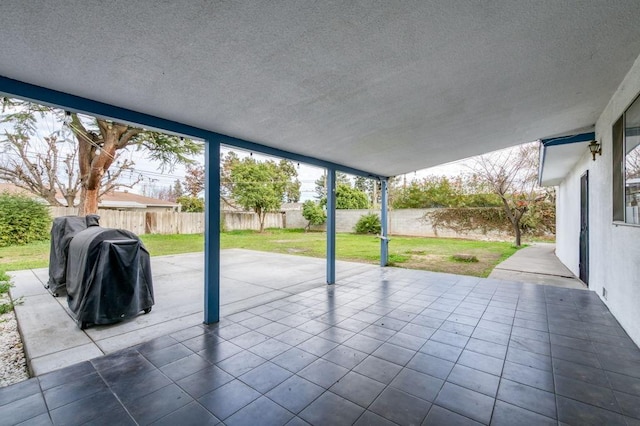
[108, 276]
[62, 231]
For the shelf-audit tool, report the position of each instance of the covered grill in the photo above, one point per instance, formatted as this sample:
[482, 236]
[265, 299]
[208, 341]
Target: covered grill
[109, 278]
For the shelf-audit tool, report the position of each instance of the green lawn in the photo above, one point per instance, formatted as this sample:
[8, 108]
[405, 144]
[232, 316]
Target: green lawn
[433, 254]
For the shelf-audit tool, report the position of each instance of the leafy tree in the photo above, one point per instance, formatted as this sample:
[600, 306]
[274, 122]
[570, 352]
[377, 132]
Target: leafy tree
[194, 180]
[258, 186]
[313, 212]
[97, 144]
[22, 220]
[191, 204]
[176, 191]
[350, 198]
[321, 183]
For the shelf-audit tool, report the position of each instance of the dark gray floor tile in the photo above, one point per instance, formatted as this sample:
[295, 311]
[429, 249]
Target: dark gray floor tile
[249, 339]
[475, 380]
[265, 377]
[258, 321]
[481, 362]
[441, 416]
[262, 411]
[572, 412]
[510, 415]
[378, 369]
[390, 323]
[529, 376]
[392, 353]
[24, 389]
[530, 345]
[184, 367]
[345, 356]
[530, 359]
[219, 352]
[241, 363]
[155, 344]
[527, 397]
[158, 404]
[293, 320]
[294, 359]
[572, 343]
[22, 409]
[55, 378]
[270, 348]
[363, 343]
[129, 386]
[441, 350]
[417, 384]
[595, 376]
[231, 331]
[400, 407]
[272, 329]
[331, 410]
[202, 341]
[457, 328]
[317, 346]
[188, 333]
[323, 373]
[192, 414]
[100, 404]
[73, 390]
[491, 336]
[353, 325]
[167, 355]
[427, 321]
[44, 420]
[449, 338]
[418, 331]
[295, 393]
[463, 401]
[575, 356]
[336, 334]
[495, 326]
[487, 348]
[372, 419]
[463, 319]
[229, 398]
[407, 341]
[629, 404]
[623, 383]
[431, 365]
[587, 393]
[357, 388]
[378, 332]
[541, 336]
[204, 381]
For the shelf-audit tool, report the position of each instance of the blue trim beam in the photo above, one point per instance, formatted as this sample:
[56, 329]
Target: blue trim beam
[564, 140]
[212, 233]
[331, 226]
[73, 103]
[384, 237]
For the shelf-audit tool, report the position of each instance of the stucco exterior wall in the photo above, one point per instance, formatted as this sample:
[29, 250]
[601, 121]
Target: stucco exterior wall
[614, 248]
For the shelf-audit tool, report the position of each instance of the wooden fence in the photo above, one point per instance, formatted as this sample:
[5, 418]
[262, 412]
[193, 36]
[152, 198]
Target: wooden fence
[140, 222]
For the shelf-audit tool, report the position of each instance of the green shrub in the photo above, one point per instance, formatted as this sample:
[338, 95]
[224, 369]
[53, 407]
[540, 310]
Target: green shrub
[22, 220]
[368, 224]
[313, 213]
[191, 204]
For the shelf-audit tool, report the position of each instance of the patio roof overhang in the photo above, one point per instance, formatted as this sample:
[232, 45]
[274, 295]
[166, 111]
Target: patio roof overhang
[386, 88]
[558, 156]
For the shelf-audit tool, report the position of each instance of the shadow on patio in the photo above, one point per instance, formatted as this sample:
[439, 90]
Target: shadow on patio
[383, 346]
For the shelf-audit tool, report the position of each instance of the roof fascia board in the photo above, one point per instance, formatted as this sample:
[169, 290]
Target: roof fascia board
[54, 98]
[563, 140]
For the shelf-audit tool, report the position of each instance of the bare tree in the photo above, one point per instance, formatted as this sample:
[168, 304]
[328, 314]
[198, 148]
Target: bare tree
[194, 180]
[632, 166]
[513, 176]
[97, 149]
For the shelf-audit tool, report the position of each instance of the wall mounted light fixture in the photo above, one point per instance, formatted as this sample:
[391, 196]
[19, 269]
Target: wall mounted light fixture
[595, 148]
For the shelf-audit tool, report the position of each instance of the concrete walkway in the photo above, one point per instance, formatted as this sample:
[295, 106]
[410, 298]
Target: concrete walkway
[52, 339]
[537, 264]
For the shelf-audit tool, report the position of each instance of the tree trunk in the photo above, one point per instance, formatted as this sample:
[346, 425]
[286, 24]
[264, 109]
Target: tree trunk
[91, 202]
[516, 230]
[261, 217]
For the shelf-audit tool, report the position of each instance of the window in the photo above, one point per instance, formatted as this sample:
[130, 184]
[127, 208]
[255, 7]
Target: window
[626, 166]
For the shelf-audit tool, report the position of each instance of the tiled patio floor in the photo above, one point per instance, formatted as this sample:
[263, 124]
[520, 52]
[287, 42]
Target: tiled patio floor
[388, 346]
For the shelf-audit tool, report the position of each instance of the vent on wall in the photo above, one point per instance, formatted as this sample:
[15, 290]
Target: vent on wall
[604, 293]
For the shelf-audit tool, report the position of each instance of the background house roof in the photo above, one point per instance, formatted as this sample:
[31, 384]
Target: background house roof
[386, 87]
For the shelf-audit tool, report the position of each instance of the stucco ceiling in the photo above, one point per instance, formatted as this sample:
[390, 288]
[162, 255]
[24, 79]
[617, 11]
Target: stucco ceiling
[386, 87]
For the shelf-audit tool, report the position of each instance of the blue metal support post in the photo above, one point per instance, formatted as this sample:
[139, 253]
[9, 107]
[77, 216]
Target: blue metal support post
[384, 239]
[331, 226]
[212, 232]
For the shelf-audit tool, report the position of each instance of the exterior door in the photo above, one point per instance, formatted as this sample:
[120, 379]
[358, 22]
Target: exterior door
[584, 228]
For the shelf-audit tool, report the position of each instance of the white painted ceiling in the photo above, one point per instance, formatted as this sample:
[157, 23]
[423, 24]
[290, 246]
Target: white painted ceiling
[383, 86]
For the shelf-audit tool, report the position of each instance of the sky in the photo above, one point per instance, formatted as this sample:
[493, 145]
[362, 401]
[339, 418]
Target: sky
[154, 176]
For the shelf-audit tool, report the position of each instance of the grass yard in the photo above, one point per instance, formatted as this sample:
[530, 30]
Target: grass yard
[432, 254]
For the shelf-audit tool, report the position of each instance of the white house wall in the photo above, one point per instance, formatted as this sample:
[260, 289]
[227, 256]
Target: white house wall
[614, 249]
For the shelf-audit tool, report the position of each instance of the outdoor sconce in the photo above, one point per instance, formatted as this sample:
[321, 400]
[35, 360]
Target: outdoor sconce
[595, 148]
